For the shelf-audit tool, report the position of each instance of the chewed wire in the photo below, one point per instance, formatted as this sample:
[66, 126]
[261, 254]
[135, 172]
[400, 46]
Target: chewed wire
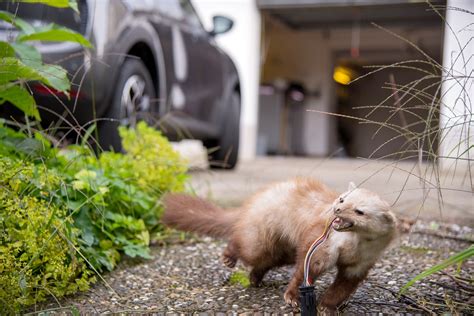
[312, 250]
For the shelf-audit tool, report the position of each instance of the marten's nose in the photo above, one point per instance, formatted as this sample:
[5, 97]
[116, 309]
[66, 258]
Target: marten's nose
[337, 211]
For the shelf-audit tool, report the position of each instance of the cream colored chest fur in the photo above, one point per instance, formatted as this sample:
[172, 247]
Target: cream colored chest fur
[349, 249]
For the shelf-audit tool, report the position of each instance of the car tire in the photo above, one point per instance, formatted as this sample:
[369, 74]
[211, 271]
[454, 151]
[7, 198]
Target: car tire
[225, 157]
[132, 101]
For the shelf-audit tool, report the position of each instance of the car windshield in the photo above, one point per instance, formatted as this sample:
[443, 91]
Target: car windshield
[38, 15]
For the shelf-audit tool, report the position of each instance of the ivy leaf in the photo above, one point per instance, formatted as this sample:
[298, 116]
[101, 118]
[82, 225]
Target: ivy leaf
[55, 33]
[20, 98]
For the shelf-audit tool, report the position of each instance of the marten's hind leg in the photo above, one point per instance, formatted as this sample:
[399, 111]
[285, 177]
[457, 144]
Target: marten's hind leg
[259, 267]
[267, 261]
[257, 273]
[230, 254]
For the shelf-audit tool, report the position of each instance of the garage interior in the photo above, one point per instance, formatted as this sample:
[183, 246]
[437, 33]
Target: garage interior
[311, 50]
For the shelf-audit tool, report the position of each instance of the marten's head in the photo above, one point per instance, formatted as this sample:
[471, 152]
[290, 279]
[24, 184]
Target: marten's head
[364, 212]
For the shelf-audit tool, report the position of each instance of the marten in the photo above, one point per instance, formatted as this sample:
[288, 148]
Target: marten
[277, 225]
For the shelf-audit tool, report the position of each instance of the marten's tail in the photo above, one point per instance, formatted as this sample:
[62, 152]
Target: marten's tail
[193, 214]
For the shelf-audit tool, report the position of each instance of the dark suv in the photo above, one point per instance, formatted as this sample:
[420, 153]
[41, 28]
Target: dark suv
[152, 60]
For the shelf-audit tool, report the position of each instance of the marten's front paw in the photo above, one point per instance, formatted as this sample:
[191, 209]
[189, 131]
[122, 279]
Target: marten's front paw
[291, 297]
[229, 261]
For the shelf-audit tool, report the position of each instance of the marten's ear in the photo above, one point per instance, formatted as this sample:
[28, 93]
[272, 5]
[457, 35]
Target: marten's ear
[352, 186]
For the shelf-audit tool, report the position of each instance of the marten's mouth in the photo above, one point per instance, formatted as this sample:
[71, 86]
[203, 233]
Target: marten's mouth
[342, 224]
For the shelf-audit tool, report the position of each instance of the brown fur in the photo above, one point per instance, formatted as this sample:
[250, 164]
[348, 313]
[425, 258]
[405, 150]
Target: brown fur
[193, 214]
[277, 225]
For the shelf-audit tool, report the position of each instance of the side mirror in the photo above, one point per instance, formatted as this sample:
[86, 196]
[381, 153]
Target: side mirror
[222, 25]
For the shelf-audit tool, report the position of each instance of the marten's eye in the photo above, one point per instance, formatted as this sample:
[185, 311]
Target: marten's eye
[359, 212]
[341, 200]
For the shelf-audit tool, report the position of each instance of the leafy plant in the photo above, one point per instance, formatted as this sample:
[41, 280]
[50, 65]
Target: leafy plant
[82, 210]
[66, 215]
[37, 241]
[21, 62]
[115, 197]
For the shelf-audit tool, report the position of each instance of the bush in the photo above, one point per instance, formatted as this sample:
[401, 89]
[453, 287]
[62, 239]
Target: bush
[37, 241]
[67, 215]
[58, 207]
[115, 199]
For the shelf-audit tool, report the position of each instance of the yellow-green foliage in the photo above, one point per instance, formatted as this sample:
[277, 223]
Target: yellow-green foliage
[57, 206]
[158, 167]
[37, 256]
[241, 278]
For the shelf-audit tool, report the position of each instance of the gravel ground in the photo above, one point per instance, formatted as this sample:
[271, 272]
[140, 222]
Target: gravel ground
[188, 278]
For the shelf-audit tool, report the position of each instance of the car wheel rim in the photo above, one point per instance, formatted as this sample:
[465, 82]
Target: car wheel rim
[135, 102]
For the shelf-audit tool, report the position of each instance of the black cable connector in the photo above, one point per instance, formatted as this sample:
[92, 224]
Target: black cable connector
[307, 300]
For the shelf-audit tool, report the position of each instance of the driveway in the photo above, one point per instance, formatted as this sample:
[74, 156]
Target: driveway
[188, 277]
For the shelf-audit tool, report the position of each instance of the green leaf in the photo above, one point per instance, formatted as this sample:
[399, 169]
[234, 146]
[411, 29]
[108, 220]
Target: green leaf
[75, 311]
[24, 26]
[12, 69]
[55, 3]
[458, 257]
[137, 250]
[56, 77]
[6, 50]
[88, 237]
[30, 146]
[55, 33]
[22, 282]
[20, 98]
[88, 134]
[29, 55]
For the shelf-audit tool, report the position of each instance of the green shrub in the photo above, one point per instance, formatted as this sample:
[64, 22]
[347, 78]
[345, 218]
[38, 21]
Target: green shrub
[60, 206]
[115, 198]
[65, 214]
[37, 256]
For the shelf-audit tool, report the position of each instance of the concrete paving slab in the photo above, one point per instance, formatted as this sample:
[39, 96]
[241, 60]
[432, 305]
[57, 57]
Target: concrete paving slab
[451, 199]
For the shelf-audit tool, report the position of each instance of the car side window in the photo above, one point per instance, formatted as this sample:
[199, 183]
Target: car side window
[190, 14]
[180, 10]
[171, 8]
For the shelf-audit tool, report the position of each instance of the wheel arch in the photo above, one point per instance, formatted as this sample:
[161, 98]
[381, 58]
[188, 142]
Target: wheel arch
[144, 52]
[145, 45]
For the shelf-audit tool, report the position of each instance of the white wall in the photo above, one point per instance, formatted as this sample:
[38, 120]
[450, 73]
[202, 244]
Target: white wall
[458, 89]
[242, 44]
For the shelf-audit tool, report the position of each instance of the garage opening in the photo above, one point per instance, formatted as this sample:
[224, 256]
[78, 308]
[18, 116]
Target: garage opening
[311, 50]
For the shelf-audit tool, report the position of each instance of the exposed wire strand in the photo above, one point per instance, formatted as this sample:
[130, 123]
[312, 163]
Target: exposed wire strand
[312, 250]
